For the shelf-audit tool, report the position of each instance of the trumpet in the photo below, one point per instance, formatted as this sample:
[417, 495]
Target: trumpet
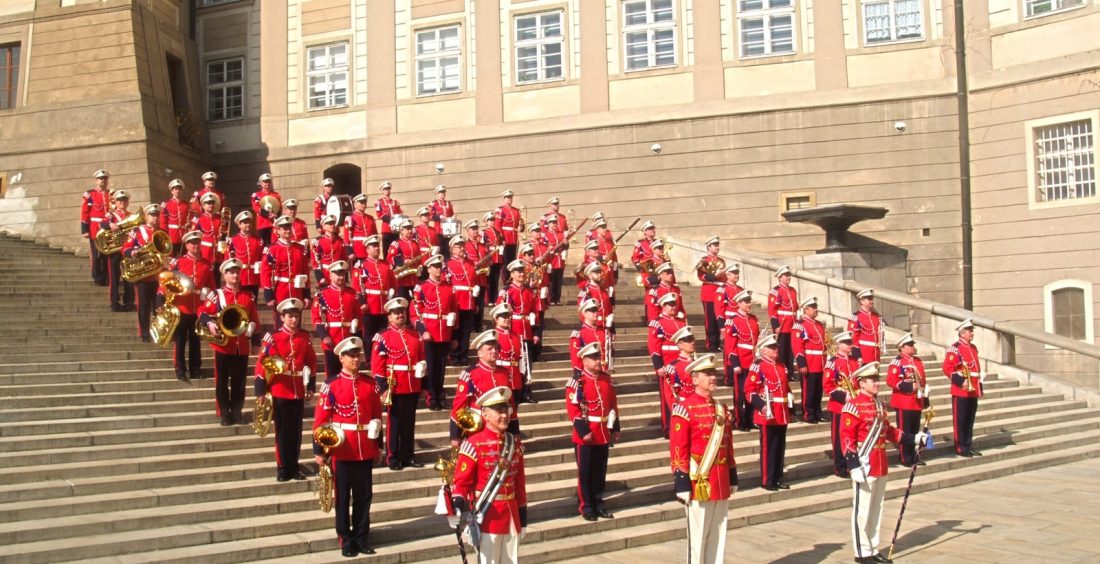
[964, 371]
[149, 259]
[111, 241]
[232, 322]
[391, 382]
[167, 317]
[264, 412]
[329, 437]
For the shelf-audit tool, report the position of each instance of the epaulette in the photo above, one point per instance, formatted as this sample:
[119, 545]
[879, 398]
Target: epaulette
[575, 334]
[851, 409]
[467, 449]
[378, 336]
[324, 388]
[797, 326]
[654, 324]
[755, 366]
[680, 411]
[572, 384]
[774, 291]
[896, 361]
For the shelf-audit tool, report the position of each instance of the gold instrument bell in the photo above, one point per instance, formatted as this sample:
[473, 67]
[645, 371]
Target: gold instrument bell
[148, 260]
[232, 321]
[109, 241]
[329, 437]
[264, 412]
[167, 317]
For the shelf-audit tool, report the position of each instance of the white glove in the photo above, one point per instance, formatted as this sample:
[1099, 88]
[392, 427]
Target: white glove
[610, 319]
[858, 476]
[203, 294]
[790, 400]
[300, 280]
[212, 327]
[543, 292]
[434, 250]
[531, 318]
[733, 489]
[981, 377]
[453, 520]
[250, 329]
[374, 428]
[522, 532]
[611, 292]
[419, 369]
[466, 536]
[920, 438]
[612, 417]
[451, 319]
[389, 293]
[476, 291]
[680, 315]
[684, 497]
[256, 267]
[927, 390]
[354, 326]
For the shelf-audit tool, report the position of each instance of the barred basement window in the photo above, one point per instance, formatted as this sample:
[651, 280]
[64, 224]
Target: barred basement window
[225, 90]
[327, 75]
[1065, 161]
[886, 21]
[538, 47]
[649, 34]
[1044, 7]
[438, 55]
[766, 27]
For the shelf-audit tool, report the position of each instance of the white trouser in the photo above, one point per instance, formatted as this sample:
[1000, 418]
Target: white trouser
[707, 531]
[498, 549]
[867, 507]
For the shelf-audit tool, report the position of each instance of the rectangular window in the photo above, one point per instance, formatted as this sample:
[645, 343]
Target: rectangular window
[538, 47]
[1065, 161]
[225, 90]
[327, 75]
[9, 75]
[215, 2]
[438, 60]
[649, 34]
[1068, 308]
[886, 21]
[1043, 7]
[767, 27]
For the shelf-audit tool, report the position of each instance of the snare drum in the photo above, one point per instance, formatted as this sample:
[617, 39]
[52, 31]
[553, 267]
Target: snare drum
[396, 220]
[339, 205]
[450, 226]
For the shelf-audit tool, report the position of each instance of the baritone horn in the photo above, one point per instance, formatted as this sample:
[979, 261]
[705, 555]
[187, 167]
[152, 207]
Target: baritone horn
[232, 321]
[167, 317]
[329, 437]
[147, 260]
[265, 410]
[110, 241]
[469, 421]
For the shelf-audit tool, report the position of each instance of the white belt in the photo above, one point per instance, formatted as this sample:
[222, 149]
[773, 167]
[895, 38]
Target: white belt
[350, 426]
[370, 292]
[430, 316]
[96, 219]
[705, 282]
[463, 288]
[869, 343]
[779, 400]
[782, 312]
[597, 419]
[519, 317]
[338, 324]
[730, 314]
[208, 243]
[280, 279]
[744, 346]
[363, 238]
[400, 366]
[670, 348]
[173, 226]
[507, 228]
[813, 353]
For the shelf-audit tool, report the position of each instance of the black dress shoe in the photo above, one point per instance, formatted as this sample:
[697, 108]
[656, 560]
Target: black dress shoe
[299, 476]
[116, 308]
[366, 550]
[530, 399]
[395, 466]
[226, 421]
[590, 517]
[865, 560]
[881, 558]
[349, 551]
[146, 339]
[281, 478]
[605, 514]
[922, 463]
[771, 488]
[414, 464]
[975, 452]
[783, 486]
[965, 453]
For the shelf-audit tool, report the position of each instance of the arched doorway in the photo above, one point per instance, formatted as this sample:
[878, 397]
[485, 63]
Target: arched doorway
[348, 178]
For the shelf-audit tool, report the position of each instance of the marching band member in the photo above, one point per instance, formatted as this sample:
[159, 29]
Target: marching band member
[741, 332]
[248, 248]
[494, 241]
[385, 208]
[709, 295]
[337, 310]
[201, 273]
[434, 312]
[605, 245]
[591, 256]
[522, 301]
[839, 386]
[265, 219]
[591, 332]
[868, 478]
[910, 389]
[724, 303]
[230, 359]
[209, 223]
[397, 364]
[663, 350]
[770, 394]
[677, 377]
[463, 280]
[540, 293]
[299, 234]
[93, 209]
[703, 467]
[643, 247]
[866, 327]
[666, 286]
[508, 221]
[175, 216]
[327, 249]
[146, 288]
[475, 380]
[554, 240]
[117, 288]
[426, 236]
[320, 203]
[289, 389]
[373, 278]
[285, 269]
[510, 355]
[553, 207]
[501, 519]
[404, 249]
[209, 186]
[961, 365]
[782, 301]
[808, 344]
[357, 227]
[351, 403]
[476, 251]
[592, 406]
[439, 210]
[594, 288]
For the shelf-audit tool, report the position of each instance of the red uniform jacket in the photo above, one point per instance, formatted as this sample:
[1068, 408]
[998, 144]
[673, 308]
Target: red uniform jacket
[522, 300]
[264, 220]
[691, 427]
[724, 306]
[837, 370]
[710, 282]
[584, 336]
[201, 274]
[248, 249]
[432, 306]
[768, 378]
[855, 423]
[139, 238]
[510, 358]
[297, 350]
[739, 340]
[400, 251]
[508, 220]
[386, 208]
[653, 310]
[174, 220]
[475, 251]
[554, 240]
[477, 457]
[282, 266]
[320, 208]
[589, 403]
[357, 227]
[957, 354]
[218, 300]
[426, 237]
[460, 274]
[808, 345]
[782, 303]
[866, 329]
[333, 311]
[563, 222]
[604, 296]
[399, 350]
[438, 211]
[494, 241]
[210, 224]
[326, 250]
[472, 383]
[678, 379]
[661, 348]
[374, 279]
[350, 402]
[196, 200]
[906, 377]
[642, 250]
[299, 234]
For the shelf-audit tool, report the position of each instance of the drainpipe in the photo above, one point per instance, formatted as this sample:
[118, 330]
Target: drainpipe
[962, 96]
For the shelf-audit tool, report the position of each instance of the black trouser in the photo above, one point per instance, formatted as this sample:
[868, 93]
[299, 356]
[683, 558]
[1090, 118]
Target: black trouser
[556, 277]
[786, 354]
[908, 420]
[444, 246]
[535, 349]
[403, 291]
[773, 448]
[177, 249]
[436, 356]
[255, 291]
[508, 255]
[840, 467]
[399, 429]
[146, 291]
[387, 240]
[742, 409]
[494, 282]
[714, 333]
[287, 417]
[99, 263]
[354, 490]
[963, 413]
[332, 363]
[811, 396]
[460, 337]
[372, 325]
[116, 285]
[264, 233]
[229, 376]
[185, 337]
[591, 476]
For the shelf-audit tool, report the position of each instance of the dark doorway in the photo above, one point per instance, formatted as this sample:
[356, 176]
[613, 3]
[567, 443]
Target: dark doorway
[348, 179]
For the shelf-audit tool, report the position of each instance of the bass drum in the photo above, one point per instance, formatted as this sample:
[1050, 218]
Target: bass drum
[395, 221]
[339, 205]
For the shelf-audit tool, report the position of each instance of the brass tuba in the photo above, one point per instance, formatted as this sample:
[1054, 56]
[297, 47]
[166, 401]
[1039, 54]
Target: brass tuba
[109, 241]
[645, 269]
[167, 316]
[329, 437]
[264, 412]
[469, 421]
[232, 322]
[149, 259]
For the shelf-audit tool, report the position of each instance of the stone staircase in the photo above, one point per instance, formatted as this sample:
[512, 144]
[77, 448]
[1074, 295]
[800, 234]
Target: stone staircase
[109, 458]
